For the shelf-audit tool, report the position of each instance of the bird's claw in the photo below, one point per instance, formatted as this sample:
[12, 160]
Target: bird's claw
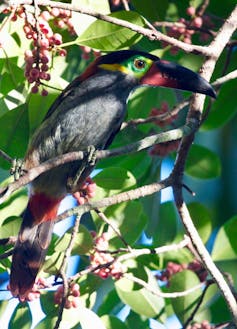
[89, 160]
[17, 169]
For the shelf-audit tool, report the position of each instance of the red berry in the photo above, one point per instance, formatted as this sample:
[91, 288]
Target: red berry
[44, 92]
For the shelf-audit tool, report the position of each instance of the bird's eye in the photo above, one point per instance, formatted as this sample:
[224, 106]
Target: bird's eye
[139, 64]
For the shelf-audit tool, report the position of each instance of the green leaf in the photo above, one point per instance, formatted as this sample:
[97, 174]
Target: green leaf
[115, 178]
[152, 10]
[183, 306]
[130, 220]
[225, 245]
[139, 299]
[111, 322]
[21, 317]
[202, 163]
[81, 21]
[137, 321]
[201, 219]
[166, 224]
[224, 108]
[14, 127]
[10, 227]
[82, 244]
[109, 37]
[14, 206]
[53, 263]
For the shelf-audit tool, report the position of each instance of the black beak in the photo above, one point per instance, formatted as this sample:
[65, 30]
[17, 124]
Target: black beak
[167, 74]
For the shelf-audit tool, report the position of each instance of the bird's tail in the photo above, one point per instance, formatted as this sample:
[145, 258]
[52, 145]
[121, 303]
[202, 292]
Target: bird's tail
[31, 246]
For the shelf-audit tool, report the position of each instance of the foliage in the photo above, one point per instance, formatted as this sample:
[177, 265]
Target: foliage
[210, 171]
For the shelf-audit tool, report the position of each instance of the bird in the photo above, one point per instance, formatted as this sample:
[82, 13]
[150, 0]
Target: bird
[89, 112]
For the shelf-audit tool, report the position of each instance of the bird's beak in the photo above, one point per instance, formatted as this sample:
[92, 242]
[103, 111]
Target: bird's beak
[167, 74]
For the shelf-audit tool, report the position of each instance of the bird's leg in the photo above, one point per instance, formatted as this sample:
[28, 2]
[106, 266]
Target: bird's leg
[17, 169]
[88, 161]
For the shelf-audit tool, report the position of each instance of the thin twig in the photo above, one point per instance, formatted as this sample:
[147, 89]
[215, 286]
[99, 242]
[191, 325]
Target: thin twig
[230, 76]
[159, 293]
[114, 228]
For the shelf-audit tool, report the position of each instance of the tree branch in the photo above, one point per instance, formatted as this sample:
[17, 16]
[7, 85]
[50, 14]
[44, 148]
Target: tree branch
[143, 144]
[149, 33]
[195, 112]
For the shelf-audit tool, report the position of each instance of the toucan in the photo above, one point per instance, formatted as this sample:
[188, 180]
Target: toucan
[89, 112]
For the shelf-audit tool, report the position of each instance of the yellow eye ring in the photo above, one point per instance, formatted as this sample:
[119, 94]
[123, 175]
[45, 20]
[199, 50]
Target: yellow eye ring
[139, 63]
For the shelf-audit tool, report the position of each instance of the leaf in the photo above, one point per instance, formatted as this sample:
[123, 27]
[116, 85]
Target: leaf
[225, 245]
[166, 224]
[53, 263]
[10, 227]
[82, 244]
[224, 108]
[21, 317]
[152, 10]
[115, 178]
[139, 299]
[130, 219]
[88, 319]
[202, 163]
[81, 21]
[109, 37]
[201, 219]
[112, 322]
[14, 127]
[14, 206]
[183, 306]
[135, 320]
[9, 47]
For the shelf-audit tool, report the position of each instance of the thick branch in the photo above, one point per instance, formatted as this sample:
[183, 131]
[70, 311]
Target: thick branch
[143, 144]
[195, 113]
[149, 33]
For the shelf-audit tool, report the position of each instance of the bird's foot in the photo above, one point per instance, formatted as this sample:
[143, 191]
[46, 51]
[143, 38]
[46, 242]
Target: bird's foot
[17, 169]
[88, 161]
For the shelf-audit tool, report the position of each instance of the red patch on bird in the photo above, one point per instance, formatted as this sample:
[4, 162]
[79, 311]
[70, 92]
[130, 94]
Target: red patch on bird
[155, 77]
[43, 208]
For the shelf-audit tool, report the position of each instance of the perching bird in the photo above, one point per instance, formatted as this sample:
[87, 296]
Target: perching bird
[89, 112]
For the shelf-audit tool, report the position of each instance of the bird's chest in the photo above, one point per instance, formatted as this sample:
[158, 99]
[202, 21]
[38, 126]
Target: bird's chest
[90, 123]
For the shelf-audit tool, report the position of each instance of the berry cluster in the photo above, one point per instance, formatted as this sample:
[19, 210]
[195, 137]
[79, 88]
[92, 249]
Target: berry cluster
[44, 42]
[87, 191]
[164, 117]
[101, 257]
[173, 268]
[187, 28]
[203, 325]
[163, 149]
[73, 299]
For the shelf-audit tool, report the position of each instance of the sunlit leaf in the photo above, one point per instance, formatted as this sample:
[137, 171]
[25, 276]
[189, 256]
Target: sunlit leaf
[140, 299]
[108, 37]
[115, 178]
[81, 21]
[21, 317]
[225, 245]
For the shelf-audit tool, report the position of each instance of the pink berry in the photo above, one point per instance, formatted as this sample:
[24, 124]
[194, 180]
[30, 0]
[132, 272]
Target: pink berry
[191, 11]
[62, 52]
[197, 21]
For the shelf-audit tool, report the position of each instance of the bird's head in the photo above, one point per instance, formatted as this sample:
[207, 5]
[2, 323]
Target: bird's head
[148, 69]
